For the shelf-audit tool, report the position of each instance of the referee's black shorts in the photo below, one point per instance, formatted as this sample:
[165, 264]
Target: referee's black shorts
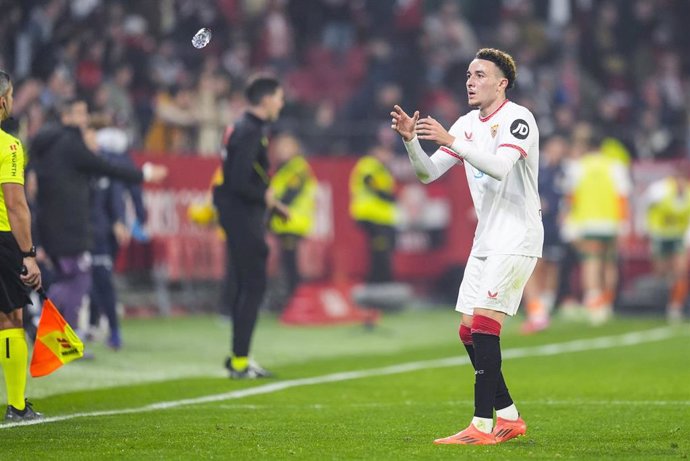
[13, 293]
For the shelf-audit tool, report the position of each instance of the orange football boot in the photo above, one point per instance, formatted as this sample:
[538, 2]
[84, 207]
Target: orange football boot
[506, 429]
[470, 436]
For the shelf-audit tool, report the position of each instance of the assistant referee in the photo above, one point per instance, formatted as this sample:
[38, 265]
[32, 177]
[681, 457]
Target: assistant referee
[16, 252]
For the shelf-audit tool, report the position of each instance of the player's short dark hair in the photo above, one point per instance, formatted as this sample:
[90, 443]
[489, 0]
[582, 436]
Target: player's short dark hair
[260, 86]
[5, 82]
[503, 60]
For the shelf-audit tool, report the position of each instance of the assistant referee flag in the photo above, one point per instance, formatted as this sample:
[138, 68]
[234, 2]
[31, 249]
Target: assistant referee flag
[56, 343]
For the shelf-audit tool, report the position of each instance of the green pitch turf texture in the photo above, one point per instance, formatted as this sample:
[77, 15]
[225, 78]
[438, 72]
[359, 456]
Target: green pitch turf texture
[612, 402]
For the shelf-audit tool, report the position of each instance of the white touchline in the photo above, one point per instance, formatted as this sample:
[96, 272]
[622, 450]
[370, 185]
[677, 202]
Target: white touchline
[604, 342]
[523, 403]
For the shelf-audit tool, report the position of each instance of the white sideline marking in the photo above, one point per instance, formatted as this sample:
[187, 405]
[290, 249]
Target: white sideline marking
[409, 403]
[604, 342]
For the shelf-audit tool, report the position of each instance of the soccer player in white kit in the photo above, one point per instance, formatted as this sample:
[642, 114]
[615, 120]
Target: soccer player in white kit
[499, 146]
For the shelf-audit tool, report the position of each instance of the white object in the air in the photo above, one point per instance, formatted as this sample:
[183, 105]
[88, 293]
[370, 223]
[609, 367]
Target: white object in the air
[201, 38]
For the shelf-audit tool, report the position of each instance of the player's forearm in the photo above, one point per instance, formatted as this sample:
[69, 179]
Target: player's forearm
[496, 166]
[20, 223]
[424, 168]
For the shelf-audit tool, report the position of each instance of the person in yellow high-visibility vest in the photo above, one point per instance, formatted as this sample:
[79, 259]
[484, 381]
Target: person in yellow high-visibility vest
[598, 189]
[667, 204]
[19, 271]
[293, 184]
[372, 205]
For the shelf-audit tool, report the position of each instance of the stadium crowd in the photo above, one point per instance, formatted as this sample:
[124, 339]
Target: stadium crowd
[620, 65]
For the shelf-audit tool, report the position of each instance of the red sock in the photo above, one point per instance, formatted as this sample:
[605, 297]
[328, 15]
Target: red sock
[486, 325]
[465, 335]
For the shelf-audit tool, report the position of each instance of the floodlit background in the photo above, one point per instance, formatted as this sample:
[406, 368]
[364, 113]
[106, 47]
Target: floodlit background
[617, 67]
[611, 73]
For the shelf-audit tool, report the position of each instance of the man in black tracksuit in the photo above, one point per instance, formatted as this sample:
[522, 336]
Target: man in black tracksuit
[64, 165]
[242, 201]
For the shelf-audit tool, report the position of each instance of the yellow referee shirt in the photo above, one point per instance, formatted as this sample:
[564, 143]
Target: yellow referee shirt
[11, 171]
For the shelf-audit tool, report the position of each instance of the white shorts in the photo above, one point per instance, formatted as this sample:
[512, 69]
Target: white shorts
[494, 282]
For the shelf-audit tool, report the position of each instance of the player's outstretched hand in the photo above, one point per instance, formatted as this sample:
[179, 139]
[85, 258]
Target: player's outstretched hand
[430, 129]
[403, 123]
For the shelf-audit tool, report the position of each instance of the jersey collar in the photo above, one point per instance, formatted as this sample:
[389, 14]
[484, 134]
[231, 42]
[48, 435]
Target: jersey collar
[486, 119]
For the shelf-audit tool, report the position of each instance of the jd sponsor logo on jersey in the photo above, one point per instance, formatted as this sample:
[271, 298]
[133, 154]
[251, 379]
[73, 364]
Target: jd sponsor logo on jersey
[519, 129]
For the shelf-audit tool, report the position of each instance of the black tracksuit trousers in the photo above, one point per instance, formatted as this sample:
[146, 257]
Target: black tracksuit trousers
[248, 252]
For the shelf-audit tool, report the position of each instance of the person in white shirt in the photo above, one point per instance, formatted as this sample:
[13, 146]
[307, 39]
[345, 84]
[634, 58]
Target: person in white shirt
[499, 146]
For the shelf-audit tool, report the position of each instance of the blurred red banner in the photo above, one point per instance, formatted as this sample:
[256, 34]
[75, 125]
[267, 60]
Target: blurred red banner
[435, 230]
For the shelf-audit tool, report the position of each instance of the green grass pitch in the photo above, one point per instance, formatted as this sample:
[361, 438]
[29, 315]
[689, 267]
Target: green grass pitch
[387, 394]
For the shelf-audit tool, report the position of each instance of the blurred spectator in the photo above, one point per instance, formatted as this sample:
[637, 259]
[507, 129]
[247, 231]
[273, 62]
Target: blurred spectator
[175, 117]
[110, 228]
[165, 65]
[540, 291]
[89, 71]
[35, 46]
[118, 100]
[667, 204]
[277, 43]
[450, 36]
[64, 165]
[60, 87]
[652, 140]
[372, 205]
[213, 93]
[294, 184]
[322, 134]
[338, 25]
[598, 188]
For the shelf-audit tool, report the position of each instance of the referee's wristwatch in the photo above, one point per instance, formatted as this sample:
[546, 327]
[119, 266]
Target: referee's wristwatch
[31, 253]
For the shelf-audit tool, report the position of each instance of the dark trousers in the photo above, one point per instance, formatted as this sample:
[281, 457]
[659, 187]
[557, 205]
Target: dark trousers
[566, 267]
[246, 248]
[103, 296]
[381, 246]
[71, 283]
[228, 288]
[288, 261]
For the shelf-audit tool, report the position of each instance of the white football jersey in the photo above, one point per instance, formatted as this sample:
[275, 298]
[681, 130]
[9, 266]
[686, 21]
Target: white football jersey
[508, 211]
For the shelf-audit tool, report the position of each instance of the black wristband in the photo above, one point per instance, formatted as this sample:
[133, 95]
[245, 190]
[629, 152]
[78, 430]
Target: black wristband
[31, 253]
